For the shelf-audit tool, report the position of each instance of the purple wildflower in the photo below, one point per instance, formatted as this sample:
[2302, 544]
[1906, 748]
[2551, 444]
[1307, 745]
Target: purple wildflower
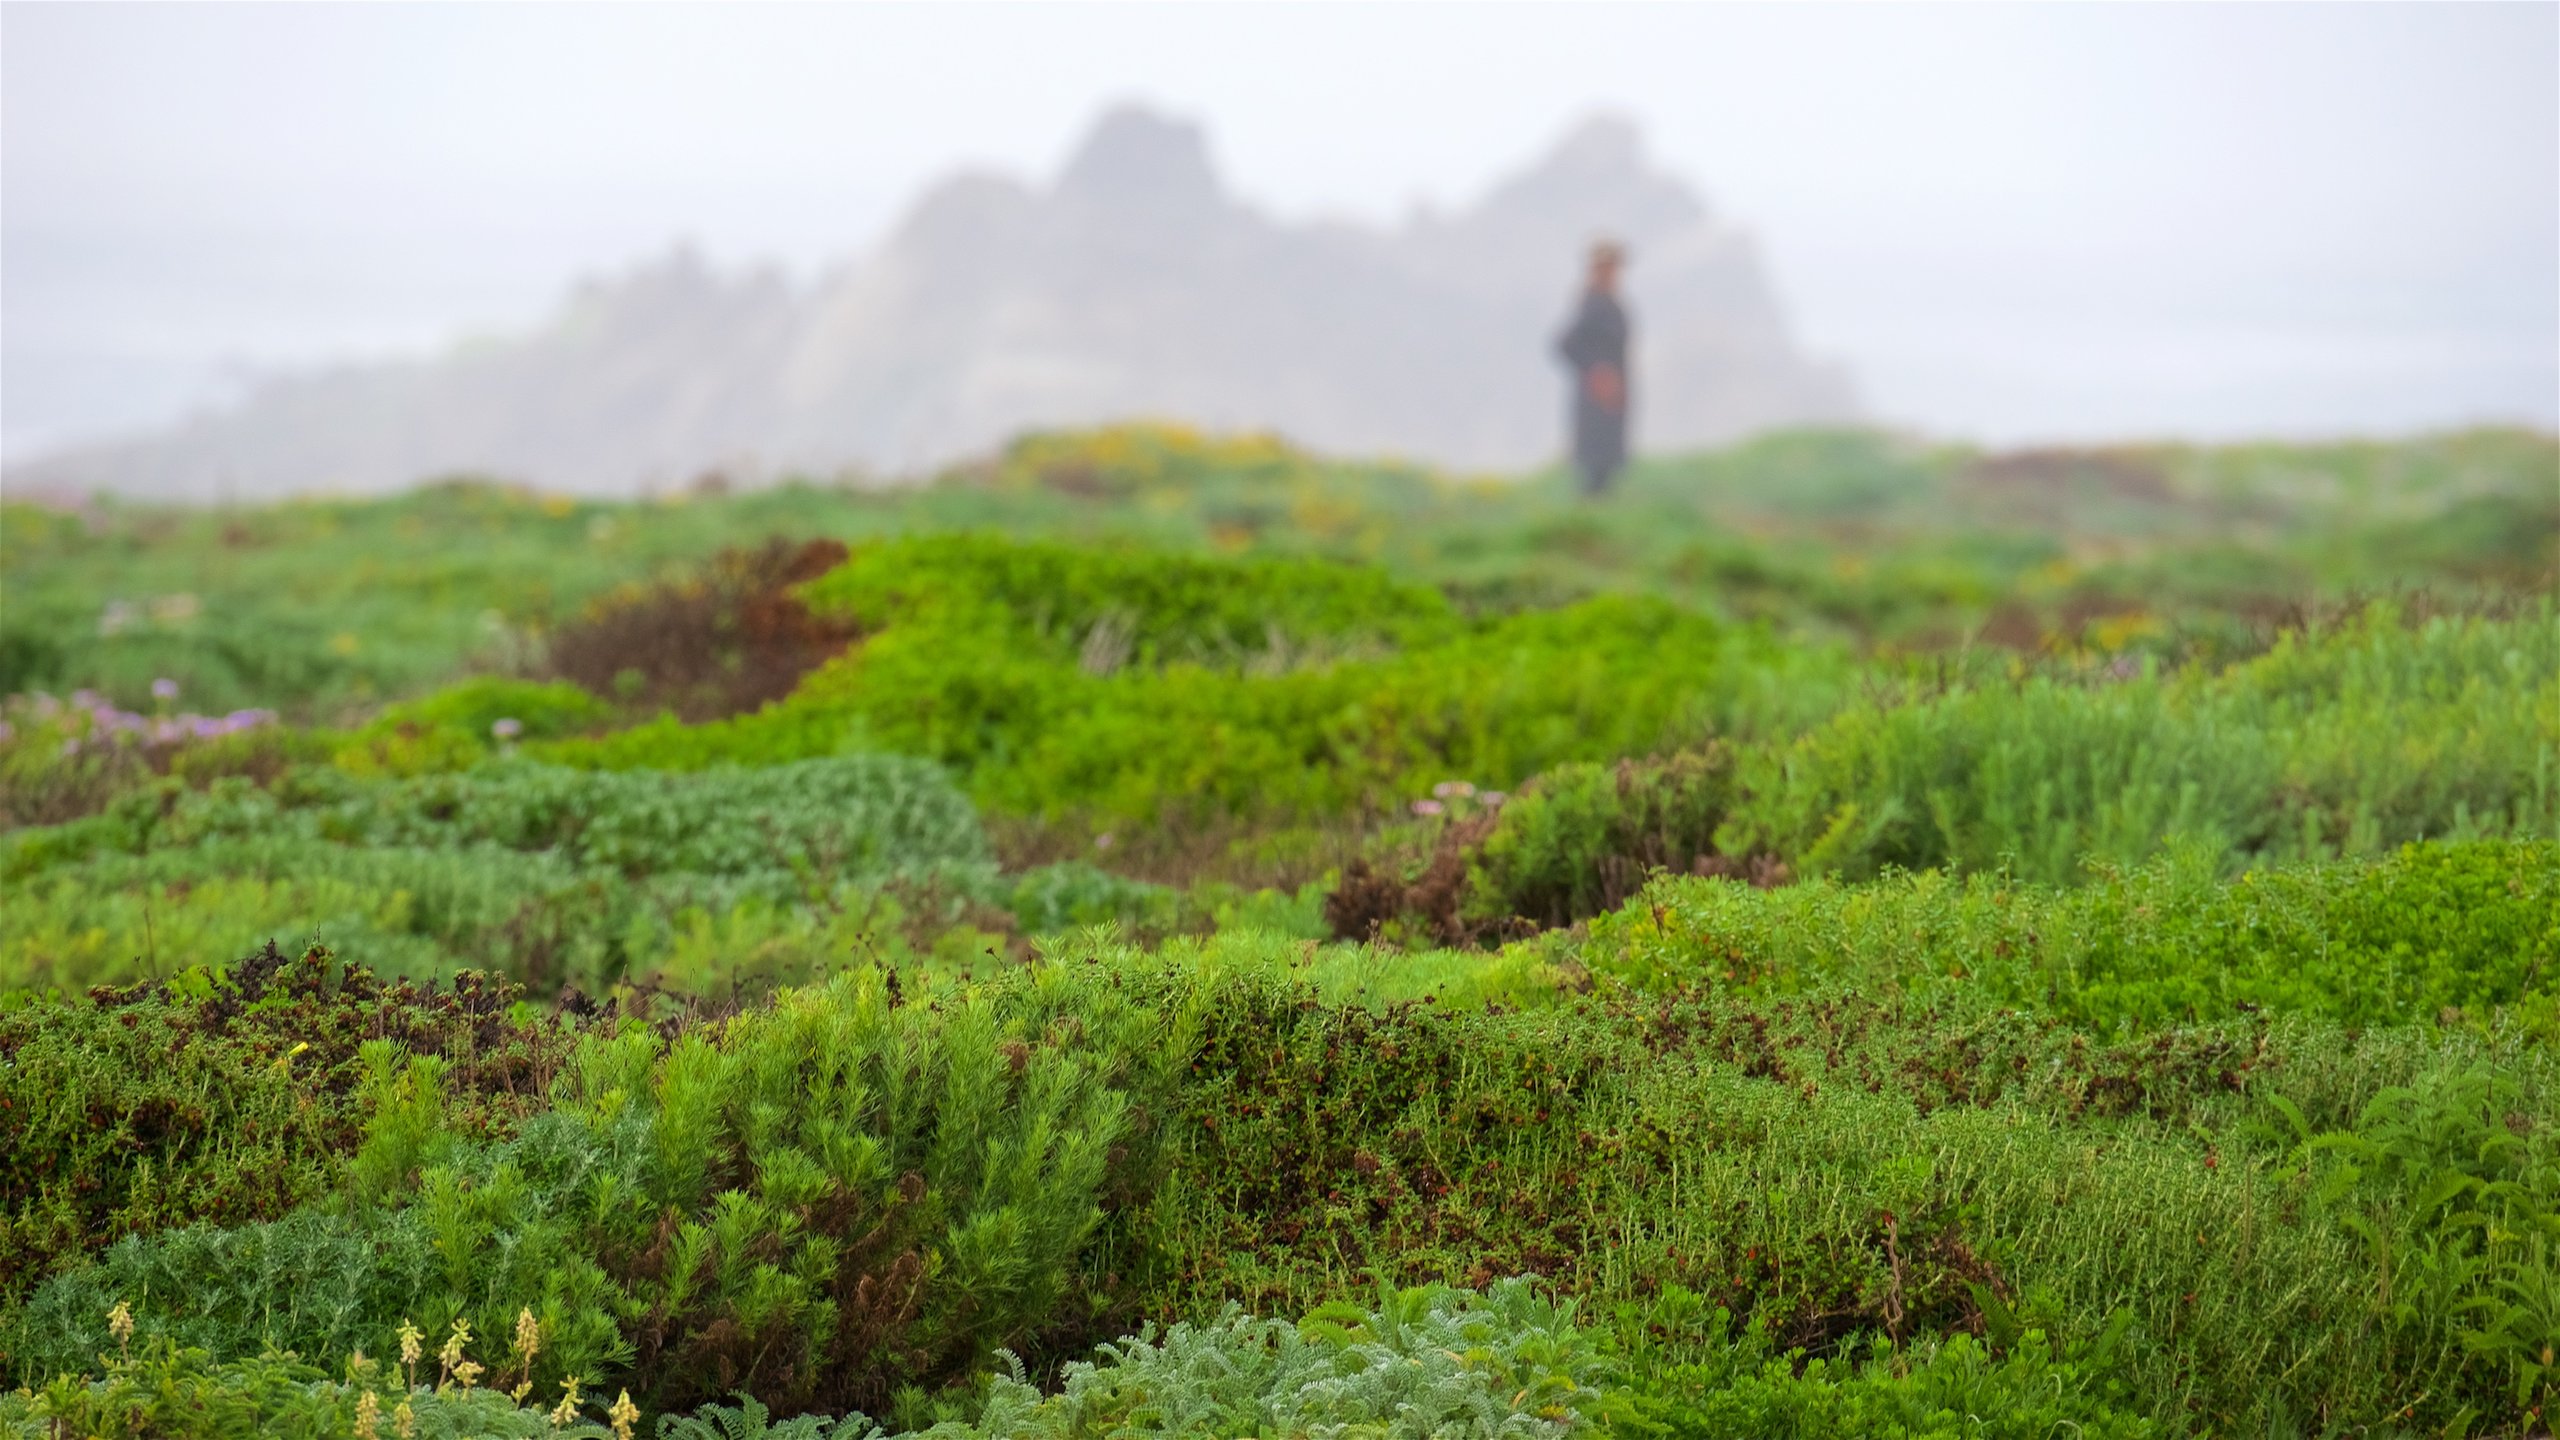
[1428, 807]
[507, 729]
[164, 688]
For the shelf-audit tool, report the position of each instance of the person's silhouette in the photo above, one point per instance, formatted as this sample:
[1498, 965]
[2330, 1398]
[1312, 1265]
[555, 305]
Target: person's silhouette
[1595, 347]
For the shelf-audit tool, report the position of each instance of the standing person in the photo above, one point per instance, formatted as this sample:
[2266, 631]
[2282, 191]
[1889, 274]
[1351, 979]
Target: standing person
[1594, 346]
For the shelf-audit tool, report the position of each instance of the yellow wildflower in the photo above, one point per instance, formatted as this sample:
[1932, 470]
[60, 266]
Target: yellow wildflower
[451, 1357]
[567, 1410]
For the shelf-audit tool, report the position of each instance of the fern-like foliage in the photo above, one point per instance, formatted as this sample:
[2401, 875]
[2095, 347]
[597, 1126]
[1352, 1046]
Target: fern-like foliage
[848, 1192]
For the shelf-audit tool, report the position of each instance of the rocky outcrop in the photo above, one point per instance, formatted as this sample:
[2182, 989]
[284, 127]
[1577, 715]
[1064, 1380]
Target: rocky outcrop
[1134, 286]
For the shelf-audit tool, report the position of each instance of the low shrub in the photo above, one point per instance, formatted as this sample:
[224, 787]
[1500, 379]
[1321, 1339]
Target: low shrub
[724, 640]
[1576, 841]
[433, 912]
[551, 875]
[1104, 607]
[1423, 1364]
[1581, 839]
[2455, 1181]
[60, 763]
[854, 1196]
[465, 723]
[228, 1095]
[579, 817]
[169, 1393]
[1611, 1160]
[423, 913]
[2346, 742]
[2433, 932]
[1713, 1383]
[1115, 687]
[846, 817]
[824, 1202]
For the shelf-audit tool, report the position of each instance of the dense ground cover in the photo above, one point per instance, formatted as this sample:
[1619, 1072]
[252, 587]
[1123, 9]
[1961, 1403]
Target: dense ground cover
[322, 608]
[1154, 935]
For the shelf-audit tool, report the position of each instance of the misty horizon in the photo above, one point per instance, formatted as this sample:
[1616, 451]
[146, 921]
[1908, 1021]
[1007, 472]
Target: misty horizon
[2373, 255]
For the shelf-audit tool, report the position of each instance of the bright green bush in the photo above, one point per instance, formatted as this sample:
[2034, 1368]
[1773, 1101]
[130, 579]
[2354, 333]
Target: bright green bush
[1189, 714]
[2017, 1386]
[2343, 745]
[466, 723]
[2433, 928]
[1105, 607]
[1071, 895]
[1580, 839]
[480, 707]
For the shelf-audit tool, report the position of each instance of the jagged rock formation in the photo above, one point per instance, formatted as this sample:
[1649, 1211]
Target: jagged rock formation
[1133, 287]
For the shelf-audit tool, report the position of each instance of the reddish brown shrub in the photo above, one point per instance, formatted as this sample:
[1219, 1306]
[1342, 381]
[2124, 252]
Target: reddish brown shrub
[721, 642]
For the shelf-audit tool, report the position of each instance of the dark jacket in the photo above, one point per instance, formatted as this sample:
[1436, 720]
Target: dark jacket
[1597, 336]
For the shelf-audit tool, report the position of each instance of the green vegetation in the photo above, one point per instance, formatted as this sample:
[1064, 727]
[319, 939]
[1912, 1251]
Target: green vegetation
[321, 608]
[2436, 932]
[554, 876]
[224, 1099]
[1126, 688]
[821, 1202]
[1165, 936]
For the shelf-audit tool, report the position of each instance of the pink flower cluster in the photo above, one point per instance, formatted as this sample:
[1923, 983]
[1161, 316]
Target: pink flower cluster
[102, 723]
[1456, 792]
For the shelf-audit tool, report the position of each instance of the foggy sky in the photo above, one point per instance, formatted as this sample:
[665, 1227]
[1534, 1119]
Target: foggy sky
[2012, 222]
